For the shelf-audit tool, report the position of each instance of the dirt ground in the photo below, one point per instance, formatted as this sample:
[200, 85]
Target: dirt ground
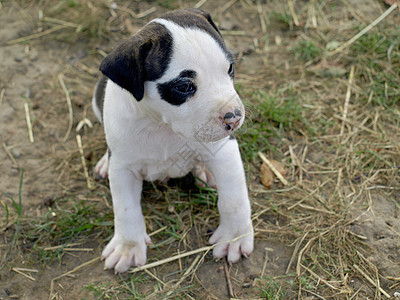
[32, 76]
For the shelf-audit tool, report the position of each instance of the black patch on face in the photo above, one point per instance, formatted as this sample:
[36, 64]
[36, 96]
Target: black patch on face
[197, 18]
[188, 73]
[180, 89]
[99, 94]
[143, 57]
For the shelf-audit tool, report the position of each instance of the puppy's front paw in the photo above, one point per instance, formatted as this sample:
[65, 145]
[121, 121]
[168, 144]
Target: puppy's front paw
[233, 242]
[121, 254]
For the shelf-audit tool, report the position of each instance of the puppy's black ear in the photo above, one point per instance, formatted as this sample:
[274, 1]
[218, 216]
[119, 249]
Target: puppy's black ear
[143, 57]
[207, 16]
[124, 66]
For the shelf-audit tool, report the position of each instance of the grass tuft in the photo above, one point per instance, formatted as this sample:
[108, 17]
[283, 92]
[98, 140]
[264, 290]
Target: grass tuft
[18, 208]
[272, 290]
[125, 288]
[306, 50]
[71, 221]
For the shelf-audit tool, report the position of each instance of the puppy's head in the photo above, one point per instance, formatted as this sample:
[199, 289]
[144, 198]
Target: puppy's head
[180, 71]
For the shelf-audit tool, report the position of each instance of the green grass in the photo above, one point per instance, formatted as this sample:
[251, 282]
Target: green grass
[180, 210]
[69, 222]
[305, 50]
[272, 290]
[90, 19]
[379, 60]
[268, 116]
[284, 18]
[125, 288]
[18, 209]
[377, 43]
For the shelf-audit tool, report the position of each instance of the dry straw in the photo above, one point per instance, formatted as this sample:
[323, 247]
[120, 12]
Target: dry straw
[83, 160]
[273, 169]
[365, 30]
[36, 35]
[28, 122]
[171, 259]
[69, 104]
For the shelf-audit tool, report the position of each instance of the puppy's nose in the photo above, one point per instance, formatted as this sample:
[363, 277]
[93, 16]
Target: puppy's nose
[232, 119]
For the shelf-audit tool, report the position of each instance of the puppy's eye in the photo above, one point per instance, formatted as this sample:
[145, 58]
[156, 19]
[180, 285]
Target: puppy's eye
[185, 87]
[231, 70]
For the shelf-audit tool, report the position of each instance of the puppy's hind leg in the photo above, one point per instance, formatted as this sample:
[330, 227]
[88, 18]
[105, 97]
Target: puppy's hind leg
[203, 176]
[101, 167]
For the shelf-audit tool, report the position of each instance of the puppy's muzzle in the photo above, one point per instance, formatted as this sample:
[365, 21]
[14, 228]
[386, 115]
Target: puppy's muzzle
[232, 119]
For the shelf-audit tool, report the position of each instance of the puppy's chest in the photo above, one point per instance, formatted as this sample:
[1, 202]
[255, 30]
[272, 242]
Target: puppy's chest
[170, 165]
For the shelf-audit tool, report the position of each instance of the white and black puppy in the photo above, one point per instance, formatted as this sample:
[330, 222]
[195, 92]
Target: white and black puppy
[169, 106]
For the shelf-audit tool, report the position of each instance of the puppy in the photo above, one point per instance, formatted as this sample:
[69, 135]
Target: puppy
[168, 106]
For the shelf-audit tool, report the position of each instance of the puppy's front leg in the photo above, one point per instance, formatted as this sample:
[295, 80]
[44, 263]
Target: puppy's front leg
[128, 246]
[234, 236]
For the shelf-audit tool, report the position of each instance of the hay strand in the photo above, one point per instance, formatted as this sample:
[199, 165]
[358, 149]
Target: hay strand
[69, 104]
[186, 274]
[228, 279]
[20, 271]
[261, 17]
[369, 279]
[170, 259]
[10, 155]
[35, 36]
[293, 13]
[273, 169]
[347, 100]
[83, 160]
[2, 93]
[365, 30]
[200, 3]
[228, 5]
[28, 122]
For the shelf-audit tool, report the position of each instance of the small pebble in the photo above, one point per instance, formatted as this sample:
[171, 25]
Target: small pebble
[15, 152]
[48, 201]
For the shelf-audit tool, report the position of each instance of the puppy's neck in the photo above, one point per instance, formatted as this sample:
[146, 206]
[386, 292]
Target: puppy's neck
[144, 109]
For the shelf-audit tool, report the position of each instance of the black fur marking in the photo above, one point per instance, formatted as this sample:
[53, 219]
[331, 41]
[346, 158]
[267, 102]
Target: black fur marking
[180, 89]
[99, 94]
[229, 115]
[188, 73]
[143, 57]
[197, 18]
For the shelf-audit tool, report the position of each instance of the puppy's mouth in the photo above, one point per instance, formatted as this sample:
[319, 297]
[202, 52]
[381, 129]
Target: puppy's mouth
[215, 130]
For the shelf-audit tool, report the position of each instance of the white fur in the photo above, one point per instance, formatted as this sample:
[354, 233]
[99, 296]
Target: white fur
[154, 140]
